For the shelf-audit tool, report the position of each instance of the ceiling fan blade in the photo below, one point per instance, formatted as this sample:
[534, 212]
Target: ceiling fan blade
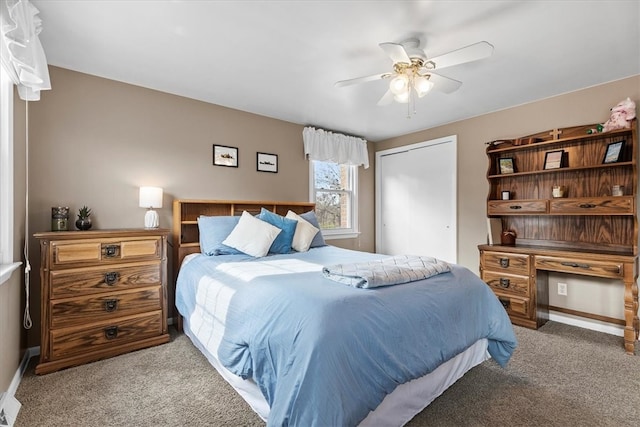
[396, 52]
[371, 78]
[444, 84]
[469, 53]
[386, 99]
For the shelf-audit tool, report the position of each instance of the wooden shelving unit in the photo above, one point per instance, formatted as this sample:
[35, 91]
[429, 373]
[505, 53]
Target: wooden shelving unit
[589, 216]
[590, 231]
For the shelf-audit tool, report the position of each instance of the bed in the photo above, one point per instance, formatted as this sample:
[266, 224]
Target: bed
[303, 349]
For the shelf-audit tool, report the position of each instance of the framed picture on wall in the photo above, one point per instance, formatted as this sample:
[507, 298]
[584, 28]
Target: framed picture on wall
[612, 155]
[225, 156]
[267, 162]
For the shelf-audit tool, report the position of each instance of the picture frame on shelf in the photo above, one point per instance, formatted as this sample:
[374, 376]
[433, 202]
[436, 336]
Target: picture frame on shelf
[553, 159]
[506, 165]
[266, 162]
[613, 153]
[225, 156]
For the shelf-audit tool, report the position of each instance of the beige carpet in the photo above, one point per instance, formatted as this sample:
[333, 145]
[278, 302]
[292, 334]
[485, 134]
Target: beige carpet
[559, 376]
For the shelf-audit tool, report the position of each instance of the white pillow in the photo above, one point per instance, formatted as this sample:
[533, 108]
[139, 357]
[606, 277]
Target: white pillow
[305, 232]
[252, 236]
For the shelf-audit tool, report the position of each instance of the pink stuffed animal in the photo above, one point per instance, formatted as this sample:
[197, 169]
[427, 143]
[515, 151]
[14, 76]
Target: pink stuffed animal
[621, 116]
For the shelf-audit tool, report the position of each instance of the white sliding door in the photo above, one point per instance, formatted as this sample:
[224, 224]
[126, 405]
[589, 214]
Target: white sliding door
[416, 200]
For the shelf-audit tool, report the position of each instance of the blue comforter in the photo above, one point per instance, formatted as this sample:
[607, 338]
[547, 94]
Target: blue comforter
[324, 353]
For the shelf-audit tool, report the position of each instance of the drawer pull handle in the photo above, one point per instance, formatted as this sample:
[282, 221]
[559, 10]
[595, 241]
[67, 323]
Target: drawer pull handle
[110, 305]
[111, 278]
[515, 207]
[587, 205]
[505, 302]
[111, 332]
[504, 262]
[504, 282]
[575, 265]
[110, 251]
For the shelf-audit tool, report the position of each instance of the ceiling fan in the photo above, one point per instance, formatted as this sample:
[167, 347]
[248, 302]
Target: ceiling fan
[413, 70]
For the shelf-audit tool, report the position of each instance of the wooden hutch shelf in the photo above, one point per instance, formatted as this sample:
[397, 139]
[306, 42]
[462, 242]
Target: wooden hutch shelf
[590, 231]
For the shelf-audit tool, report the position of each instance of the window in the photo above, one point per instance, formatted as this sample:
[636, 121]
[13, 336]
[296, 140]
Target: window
[6, 177]
[333, 188]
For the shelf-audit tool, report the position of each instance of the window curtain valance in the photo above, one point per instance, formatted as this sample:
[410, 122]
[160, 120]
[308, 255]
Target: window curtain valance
[20, 49]
[327, 146]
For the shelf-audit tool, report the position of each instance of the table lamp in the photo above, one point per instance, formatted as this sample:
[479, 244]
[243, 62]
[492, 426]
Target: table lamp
[150, 198]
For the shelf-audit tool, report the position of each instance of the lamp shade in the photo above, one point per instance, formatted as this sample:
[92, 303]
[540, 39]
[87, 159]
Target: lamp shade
[150, 197]
[422, 85]
[399, 84]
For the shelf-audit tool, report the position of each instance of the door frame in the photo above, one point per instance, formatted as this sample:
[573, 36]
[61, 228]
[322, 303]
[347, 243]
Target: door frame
[405, 148]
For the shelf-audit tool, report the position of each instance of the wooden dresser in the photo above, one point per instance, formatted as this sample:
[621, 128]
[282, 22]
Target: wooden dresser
[588, 228]
[103, 293]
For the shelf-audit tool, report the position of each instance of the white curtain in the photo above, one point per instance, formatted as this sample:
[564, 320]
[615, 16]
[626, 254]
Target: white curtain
[20, 49]
[327, 146]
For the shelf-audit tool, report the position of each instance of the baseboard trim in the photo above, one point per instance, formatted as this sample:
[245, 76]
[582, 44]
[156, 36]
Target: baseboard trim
[28, 354]
[8, 398]
[593, 325]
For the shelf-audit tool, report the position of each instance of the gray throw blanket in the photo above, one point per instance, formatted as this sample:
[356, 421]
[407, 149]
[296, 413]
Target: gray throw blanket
[387, 271]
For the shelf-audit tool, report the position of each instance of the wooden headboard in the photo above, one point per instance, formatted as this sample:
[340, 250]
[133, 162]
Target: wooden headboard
[186, 238]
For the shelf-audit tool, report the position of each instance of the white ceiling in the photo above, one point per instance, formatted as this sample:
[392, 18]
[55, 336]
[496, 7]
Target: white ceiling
[281, 58]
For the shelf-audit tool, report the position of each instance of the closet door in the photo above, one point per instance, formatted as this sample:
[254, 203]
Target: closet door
[416, 200]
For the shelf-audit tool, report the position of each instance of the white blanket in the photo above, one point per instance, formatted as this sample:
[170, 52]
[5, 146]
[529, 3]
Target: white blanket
[384, 272]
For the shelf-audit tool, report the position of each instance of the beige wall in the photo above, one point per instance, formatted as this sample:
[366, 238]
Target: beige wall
[577, 108]
[95, 141]
[12, 335]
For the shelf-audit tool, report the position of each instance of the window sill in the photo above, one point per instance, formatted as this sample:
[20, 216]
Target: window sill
[6, 270]
[345, 235]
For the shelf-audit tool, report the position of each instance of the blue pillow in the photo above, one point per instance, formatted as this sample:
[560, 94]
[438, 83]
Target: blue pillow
[318, 239]
[282, 244]
[213, 230]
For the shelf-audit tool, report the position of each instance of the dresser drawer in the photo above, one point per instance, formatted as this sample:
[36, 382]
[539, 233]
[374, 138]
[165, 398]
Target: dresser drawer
[610, 269]
[100, 336]
[104, 251]
[508, 283]
[516, 207]
[514, 305]
[593, 206]
[90, 280]
[76, 311]
[506, 262]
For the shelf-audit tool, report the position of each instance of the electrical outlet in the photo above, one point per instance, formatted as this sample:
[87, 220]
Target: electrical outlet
[562, 289]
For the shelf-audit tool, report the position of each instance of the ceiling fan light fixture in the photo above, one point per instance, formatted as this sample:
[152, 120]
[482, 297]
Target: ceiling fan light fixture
[414, 71]
[399, 84]
[422, 85]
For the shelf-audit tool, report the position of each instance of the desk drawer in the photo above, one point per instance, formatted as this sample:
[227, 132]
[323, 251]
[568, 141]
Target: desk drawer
[518, 285]
[516, 207]
[514, 305]
[506, 262]
[593, 206]
[610, 269]
[79, 311]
